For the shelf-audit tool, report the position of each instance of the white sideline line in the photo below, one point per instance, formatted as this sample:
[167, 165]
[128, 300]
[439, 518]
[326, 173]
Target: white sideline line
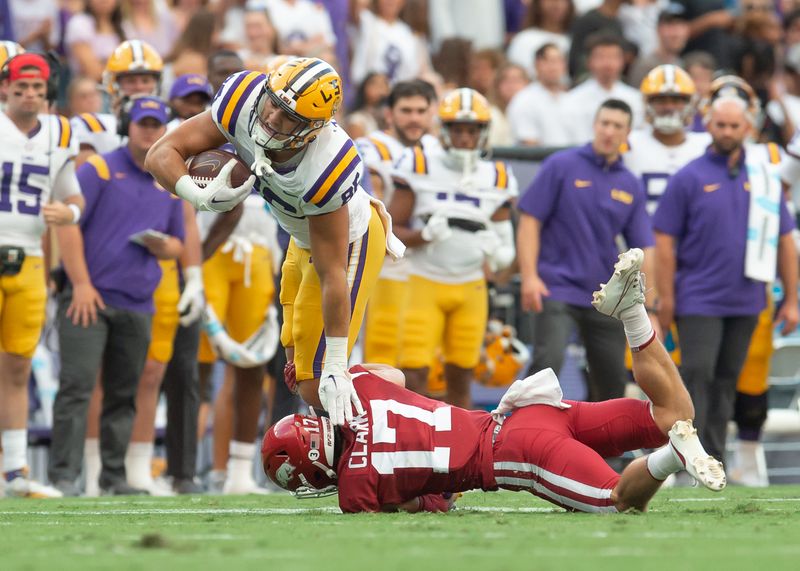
[323, 510]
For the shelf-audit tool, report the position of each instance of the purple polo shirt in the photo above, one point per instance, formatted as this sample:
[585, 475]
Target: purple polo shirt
[706, 210]
[121, 200]
[583, 204]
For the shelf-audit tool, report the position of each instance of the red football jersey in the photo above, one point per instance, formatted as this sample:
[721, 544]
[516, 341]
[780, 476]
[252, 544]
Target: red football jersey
[406, 445]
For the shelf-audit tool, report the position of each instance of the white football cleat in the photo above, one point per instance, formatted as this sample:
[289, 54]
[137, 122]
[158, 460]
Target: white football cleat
[23, 487]
[698, 463]
[625, 288]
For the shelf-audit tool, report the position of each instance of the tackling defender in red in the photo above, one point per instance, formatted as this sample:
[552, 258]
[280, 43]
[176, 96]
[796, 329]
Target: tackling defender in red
[412, 453]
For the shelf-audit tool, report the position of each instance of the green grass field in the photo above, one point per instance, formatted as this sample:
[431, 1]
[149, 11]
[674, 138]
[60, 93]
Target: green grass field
[758, 530]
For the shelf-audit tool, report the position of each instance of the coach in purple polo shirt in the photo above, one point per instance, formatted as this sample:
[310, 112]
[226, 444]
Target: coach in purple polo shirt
[701, 235]
[571, 215]
[106, 309]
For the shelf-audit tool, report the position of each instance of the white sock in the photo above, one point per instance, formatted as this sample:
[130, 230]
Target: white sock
[92, 466]
[15, 449]
[138, 462]
[240, 463]
[663, 462]
[638, 328]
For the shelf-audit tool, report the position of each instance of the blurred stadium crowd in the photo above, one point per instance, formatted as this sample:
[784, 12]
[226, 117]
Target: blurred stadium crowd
[542, 67]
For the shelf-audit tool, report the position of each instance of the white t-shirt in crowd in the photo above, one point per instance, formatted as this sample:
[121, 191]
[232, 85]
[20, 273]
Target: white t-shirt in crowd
[535, 115]
[28, 15]
[388, 48]
[581, 103]
[480, 21]
[523, 47]
[300, 20]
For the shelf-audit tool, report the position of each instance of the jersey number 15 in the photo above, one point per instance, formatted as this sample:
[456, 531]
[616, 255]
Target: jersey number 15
[20, 180]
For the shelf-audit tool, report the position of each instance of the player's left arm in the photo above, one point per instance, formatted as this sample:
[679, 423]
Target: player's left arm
[330, 237]
[503, 250]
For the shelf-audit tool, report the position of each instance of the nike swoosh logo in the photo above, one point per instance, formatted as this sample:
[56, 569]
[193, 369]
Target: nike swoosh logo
[710, 187]
[215, 201]
[359, 374]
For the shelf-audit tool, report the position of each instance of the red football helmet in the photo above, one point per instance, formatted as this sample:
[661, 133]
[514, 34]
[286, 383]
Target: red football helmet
[298, 455]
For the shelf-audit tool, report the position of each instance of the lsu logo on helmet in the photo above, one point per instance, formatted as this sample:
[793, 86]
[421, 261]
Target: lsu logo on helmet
[309, 91]
[131, 57]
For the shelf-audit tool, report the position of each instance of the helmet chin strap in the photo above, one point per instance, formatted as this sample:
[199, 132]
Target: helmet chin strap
[467, 161]
[262, 165]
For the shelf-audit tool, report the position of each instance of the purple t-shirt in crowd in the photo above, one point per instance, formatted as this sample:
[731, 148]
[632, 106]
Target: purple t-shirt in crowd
[705, 207]
[583, 203]
[121, 200]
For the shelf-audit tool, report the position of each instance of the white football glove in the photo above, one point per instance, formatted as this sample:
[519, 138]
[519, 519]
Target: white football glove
[437, 228]
[193, 298]
[336, 391]
[497, 244]
[217, 196]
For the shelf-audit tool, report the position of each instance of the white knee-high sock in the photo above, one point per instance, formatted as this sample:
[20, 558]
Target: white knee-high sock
[138, 461]
[240, 463]
[663, 462]
[15, 448]
[92, 466]
[638, 329]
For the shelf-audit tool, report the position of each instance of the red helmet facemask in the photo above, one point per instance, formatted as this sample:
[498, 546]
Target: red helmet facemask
[298, 455]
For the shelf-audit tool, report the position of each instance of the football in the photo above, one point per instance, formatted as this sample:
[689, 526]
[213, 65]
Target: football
[203, 168]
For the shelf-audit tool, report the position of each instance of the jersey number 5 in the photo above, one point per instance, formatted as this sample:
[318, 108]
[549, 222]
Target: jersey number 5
[9, 179]
[439, 420]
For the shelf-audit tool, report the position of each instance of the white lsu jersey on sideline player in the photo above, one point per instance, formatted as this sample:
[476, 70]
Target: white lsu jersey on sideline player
[380, 152]
[327, 176]
[97, 130]
[469, 202]
[31, 168]
[654, 162]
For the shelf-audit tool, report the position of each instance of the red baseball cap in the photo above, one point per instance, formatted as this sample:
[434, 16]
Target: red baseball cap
[28, 66]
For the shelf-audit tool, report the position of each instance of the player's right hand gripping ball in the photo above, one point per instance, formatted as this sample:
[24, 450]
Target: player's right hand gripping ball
[222, 180]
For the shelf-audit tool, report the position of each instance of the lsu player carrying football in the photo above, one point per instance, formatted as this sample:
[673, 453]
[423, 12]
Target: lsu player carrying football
[664, 145]
[452, 210]
[409, 115]
[309, 172]
[36, 165]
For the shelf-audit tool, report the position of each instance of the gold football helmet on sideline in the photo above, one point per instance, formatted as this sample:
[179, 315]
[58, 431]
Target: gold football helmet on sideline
[464, 105]
[502, 356]
[660, 88]
[129, 58]
[734, 86]
[9, 49]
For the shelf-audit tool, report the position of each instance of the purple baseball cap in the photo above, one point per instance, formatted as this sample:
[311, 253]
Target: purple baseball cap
[143, 107]
[191, 83]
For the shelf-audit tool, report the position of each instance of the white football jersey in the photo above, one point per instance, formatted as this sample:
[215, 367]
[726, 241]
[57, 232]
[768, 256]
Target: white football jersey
[654, 162]
[327, 177]
[98, 130]
[29, 167]
[380, 151]
[471, 198]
